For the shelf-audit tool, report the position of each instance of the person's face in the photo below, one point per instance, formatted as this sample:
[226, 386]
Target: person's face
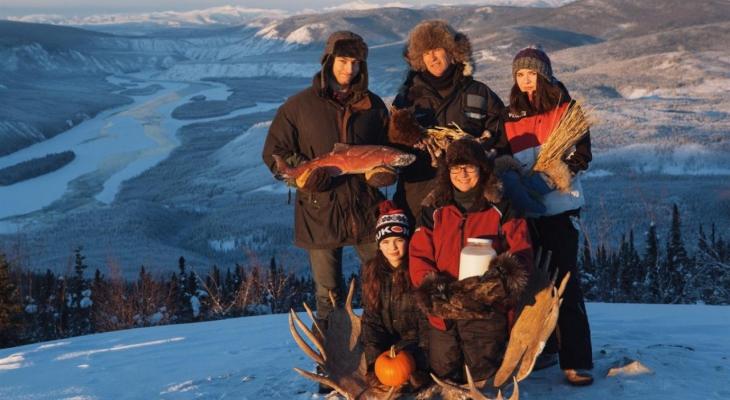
[345, 69]
[526, 81]
[437, 61]
[464, 177]
[394, 249]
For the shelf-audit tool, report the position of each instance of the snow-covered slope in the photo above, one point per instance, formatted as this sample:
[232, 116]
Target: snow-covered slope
[225, 15]
[686, 348]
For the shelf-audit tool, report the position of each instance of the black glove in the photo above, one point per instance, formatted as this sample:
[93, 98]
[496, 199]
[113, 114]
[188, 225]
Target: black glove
[319, 180]
[381, 177]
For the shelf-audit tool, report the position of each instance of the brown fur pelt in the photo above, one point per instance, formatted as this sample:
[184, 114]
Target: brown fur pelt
[560, 175]
[403, 128]
[476, 297]
[434, 34]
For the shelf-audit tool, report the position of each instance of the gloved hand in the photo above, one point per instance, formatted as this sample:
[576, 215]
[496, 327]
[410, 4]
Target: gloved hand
[381, 176]
[516, 191]
[538, 183]
[319, 180]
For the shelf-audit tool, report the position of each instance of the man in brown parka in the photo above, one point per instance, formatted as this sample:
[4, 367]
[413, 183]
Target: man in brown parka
[332, 212]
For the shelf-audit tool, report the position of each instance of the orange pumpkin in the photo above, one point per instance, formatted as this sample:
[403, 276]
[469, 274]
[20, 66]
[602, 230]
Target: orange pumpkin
[394, 368]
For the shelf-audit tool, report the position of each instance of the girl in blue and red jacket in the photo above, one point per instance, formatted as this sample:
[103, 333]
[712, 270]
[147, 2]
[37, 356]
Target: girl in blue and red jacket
[537, 102]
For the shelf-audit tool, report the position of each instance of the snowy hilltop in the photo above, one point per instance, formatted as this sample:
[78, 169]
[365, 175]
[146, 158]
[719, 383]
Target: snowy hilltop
[685, 347]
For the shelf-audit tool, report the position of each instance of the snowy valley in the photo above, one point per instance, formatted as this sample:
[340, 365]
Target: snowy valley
[166, 116]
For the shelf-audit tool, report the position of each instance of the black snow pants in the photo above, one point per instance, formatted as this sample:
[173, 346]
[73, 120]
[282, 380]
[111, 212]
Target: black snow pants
[480, 344]
[573, 339]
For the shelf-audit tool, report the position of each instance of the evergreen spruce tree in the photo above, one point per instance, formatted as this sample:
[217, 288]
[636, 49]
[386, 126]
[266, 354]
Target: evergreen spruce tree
[98, 297]
[652, 281]
[677, 262]
[632, 273]
[11, 309]
[79, 298]
[184, 310]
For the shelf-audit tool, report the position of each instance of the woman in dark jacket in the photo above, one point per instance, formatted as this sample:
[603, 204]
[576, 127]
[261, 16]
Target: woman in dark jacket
[391, 316]
[537, 102]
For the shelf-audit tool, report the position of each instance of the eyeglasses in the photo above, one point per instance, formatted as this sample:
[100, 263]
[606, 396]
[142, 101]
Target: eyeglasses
[468, 168]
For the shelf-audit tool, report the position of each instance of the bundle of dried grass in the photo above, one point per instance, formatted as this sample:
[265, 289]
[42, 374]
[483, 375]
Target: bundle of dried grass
[438, 138]
[571, 128]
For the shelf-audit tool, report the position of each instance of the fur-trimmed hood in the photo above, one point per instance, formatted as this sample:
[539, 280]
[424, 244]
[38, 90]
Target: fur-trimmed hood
[434, 34]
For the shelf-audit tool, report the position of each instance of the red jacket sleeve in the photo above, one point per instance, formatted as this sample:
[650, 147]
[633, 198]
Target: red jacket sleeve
[518, 240]
[421, 257]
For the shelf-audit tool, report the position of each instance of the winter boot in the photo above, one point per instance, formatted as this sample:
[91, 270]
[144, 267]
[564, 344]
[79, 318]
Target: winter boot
[577, 377]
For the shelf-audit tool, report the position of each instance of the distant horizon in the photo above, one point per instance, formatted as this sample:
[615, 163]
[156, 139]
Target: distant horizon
[85, 8]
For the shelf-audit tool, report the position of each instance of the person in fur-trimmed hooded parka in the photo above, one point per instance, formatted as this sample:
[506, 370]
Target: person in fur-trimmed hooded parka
[468, 318]
[439, 90]
[331, 212]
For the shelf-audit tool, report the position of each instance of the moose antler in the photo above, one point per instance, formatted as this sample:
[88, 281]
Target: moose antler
[535, 323]
[339, 352]
[449, 390]
[340, 355]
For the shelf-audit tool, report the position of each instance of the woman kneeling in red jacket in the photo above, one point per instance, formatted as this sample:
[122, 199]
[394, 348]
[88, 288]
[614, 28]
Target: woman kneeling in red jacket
[468, 318]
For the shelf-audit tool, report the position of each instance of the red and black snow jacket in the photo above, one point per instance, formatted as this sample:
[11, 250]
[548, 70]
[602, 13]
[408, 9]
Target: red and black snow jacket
[436, 245]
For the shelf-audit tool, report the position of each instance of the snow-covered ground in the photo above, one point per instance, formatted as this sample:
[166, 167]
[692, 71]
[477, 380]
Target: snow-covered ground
[685, 346]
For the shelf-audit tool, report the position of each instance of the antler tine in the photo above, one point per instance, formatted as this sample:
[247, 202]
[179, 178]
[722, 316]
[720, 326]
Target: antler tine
[348, 302]
[475, 393]
[563, 284]
[456, 390]
[325, 381]
[301, 343]
[310, 335]
[314, 320]
[538, 257]
[332, 299]
[391, 392]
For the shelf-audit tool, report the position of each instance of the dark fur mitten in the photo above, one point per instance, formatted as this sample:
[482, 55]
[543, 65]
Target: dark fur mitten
[514, 277]
[403, 128]
[433, 287]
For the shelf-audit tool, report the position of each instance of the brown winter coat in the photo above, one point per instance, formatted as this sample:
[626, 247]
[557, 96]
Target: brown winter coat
[308, 125]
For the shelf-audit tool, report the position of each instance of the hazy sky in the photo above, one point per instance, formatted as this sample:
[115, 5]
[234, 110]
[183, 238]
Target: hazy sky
[89, 7]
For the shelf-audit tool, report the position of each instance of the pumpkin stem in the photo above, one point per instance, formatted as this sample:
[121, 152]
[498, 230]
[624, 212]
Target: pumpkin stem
[392, 351]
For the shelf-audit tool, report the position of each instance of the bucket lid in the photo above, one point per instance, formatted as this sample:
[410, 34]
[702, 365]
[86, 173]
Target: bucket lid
[479, 241]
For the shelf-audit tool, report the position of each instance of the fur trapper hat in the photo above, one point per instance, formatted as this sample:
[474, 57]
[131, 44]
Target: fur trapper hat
[345, 44]
[477, 297]
[469, 151]
[434, 34]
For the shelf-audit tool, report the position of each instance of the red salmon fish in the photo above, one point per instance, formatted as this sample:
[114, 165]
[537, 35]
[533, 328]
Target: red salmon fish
[346, 159]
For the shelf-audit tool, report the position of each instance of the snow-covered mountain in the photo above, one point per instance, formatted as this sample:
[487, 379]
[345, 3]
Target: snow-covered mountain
[685, 348]
[225, 15]
[198, 99]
